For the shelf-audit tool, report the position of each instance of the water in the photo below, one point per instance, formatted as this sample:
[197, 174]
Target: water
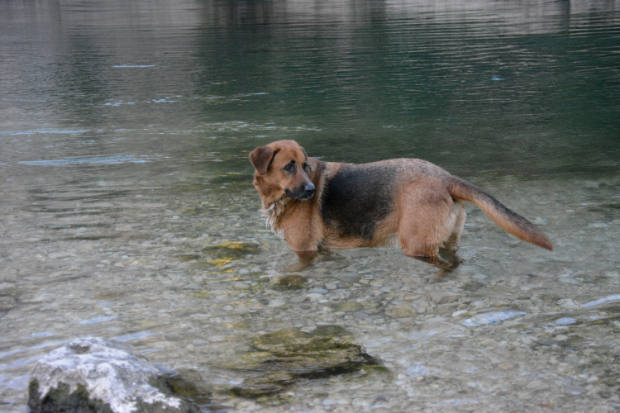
[127, 208]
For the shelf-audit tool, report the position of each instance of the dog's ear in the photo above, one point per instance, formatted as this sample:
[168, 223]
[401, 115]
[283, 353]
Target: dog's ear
[261, 157]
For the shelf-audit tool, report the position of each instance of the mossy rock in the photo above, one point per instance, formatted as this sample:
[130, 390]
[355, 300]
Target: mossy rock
[281, 358]
[187, 383]
[251, 360]
[331, 331]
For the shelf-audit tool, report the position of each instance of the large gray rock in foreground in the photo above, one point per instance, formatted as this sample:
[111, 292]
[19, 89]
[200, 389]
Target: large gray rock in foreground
[97, 375]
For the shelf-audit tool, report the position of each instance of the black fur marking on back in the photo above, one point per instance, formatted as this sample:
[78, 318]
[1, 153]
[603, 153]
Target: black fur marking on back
[357, 198]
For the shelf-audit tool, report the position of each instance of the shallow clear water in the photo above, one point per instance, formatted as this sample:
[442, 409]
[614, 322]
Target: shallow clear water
[124, 134]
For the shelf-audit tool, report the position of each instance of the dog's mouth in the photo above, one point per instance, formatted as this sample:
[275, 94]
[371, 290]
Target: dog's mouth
[303, 194]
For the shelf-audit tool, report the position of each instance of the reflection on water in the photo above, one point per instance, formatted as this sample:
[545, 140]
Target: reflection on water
[127, 210]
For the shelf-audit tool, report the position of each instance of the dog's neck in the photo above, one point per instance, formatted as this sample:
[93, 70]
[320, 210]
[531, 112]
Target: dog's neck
[274, 211]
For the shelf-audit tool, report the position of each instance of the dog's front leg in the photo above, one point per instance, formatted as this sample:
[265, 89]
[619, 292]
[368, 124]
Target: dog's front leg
[305, 260]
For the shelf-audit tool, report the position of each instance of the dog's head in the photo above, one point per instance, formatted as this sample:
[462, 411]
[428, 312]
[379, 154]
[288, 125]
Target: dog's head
[282, 169]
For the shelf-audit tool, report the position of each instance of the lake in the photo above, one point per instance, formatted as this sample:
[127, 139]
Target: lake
[127, 208]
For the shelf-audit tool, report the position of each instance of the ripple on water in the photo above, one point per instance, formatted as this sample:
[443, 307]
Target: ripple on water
[105, 160]
[565, 321]
[98, 320]
[601, 301]
[491, 318]
[46, 131]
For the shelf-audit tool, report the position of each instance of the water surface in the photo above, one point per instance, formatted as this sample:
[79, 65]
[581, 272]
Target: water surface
[125, 191]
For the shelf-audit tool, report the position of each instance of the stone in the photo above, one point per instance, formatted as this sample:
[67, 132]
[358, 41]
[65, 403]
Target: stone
[349, 307]
[96, 375]
[360, 315]
[290, 282]
[280, 359]
[401, 312]
[442, 298]
[7, 286]
[567, 303]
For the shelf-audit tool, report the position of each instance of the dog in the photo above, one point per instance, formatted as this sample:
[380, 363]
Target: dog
[410, 202]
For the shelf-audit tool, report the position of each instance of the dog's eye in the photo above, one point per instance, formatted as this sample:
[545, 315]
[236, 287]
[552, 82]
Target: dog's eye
[306, 167]
[289, 167]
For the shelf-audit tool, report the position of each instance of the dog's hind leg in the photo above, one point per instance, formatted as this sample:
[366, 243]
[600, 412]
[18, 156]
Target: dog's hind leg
[454, 240]
[428, 220]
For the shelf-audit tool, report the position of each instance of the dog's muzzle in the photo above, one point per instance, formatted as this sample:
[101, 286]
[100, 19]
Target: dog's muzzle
[302, 193]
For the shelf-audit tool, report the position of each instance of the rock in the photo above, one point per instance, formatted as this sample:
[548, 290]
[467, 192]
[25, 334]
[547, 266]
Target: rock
[290, 282]
[360, 315]
[315, 297]
[459, 313]
[472, 286]
[401, 312]
[97, 375]
[349, 307]
[279, 359]
[443, 298]
[318, 291]
[567, 303]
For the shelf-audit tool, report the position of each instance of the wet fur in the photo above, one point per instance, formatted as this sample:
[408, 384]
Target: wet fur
[409, 201]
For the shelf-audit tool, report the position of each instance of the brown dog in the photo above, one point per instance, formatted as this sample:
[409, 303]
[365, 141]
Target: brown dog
[314, 204]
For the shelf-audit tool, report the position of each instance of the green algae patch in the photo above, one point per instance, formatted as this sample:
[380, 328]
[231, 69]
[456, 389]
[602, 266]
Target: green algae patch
[278, 360]
[220, 254]
[187, 257]
[231, 250]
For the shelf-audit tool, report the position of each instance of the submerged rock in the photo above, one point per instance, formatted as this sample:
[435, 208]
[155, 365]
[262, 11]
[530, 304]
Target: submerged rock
[290, 282]
[349, 307]
[97, 375]
[280, 359]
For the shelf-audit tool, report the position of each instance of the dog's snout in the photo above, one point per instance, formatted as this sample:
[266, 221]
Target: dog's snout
[309, 190]
[302, 192]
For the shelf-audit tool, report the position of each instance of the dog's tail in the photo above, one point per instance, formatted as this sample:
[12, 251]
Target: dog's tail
[506, 219]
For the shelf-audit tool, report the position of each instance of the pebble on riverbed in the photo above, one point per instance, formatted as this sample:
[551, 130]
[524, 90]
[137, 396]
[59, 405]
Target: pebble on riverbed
[290, 282]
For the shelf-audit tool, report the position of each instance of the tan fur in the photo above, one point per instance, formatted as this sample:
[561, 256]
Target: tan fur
[425, 207]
